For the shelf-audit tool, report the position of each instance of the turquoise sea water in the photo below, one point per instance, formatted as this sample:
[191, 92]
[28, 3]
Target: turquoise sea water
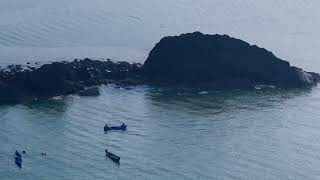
[172, 134]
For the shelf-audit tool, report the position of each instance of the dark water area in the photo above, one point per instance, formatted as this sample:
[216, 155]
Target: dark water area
[173, 133]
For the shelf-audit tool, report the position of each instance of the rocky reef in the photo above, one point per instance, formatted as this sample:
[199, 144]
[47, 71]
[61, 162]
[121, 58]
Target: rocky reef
[193, 59]
[62, 78]
[219, 61]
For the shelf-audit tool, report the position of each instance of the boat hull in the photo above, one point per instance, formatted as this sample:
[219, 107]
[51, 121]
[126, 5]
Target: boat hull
[122, 128]
[113, 157]
[18, 162]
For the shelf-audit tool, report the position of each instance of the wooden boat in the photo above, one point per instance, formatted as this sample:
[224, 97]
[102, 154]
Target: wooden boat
[113, 157]
[123, 127]
[18, 161]
[19, 164]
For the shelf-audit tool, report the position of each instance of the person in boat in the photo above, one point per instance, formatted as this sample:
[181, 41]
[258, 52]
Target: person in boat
[106, 128]
[122, 127]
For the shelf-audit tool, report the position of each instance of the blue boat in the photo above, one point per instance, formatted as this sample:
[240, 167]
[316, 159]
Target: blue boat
[19, 164]
[123, 127]
[18, 161]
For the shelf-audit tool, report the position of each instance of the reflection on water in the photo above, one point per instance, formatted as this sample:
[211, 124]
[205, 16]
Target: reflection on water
[194, 100]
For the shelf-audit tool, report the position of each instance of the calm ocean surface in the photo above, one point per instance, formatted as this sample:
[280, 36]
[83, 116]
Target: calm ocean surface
[267, 133]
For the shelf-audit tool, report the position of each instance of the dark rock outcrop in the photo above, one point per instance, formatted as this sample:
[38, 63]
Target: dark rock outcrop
[220, 61]
[94, 91]
[62, 78]
[194, 59]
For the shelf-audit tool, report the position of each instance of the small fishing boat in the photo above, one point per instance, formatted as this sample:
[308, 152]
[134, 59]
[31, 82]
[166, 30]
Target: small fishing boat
[18, 161]
[19, 164]
[113, 157]
[123, 127]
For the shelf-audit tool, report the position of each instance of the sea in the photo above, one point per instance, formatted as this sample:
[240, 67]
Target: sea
[173, 132]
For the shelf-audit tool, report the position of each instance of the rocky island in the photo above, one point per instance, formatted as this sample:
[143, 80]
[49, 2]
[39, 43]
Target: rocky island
[193, 59]
[220, 61]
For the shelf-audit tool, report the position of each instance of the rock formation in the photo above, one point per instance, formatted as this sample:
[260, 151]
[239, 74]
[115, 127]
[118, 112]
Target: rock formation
[94, 91]
[196, 59]
[222, 62]
[62, 78]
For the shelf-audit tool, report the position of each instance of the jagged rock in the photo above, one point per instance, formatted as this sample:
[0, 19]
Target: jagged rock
[132, 81]
[62, 78]
[305, 77]
[90, 92]
[196, 58]
[315, 76]
[9, 92]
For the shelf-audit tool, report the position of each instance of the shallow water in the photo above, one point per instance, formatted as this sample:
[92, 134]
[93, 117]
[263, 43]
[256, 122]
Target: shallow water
[172, 134]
